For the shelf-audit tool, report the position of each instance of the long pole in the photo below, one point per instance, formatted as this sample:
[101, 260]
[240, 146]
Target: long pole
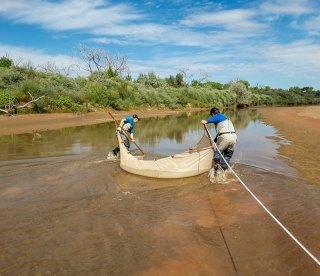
[126, 133]
[210, 137]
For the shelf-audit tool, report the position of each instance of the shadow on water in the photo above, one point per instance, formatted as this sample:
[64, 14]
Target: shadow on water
[65, 209]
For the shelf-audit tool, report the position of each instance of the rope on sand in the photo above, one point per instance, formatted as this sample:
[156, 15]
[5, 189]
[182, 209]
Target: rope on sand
[266, 209]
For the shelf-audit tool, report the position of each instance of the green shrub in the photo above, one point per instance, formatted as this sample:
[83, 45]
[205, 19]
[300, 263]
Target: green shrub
[6, 62]
[6, 98]
[65, 104]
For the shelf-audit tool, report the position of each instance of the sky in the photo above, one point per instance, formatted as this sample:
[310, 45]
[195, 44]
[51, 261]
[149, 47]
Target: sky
[268, 43]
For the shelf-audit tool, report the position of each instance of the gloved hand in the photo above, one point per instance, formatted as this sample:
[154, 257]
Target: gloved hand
[119, 128]
[204, 122]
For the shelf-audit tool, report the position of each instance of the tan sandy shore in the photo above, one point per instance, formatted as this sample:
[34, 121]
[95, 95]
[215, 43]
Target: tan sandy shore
[301, 126]
[39, 122]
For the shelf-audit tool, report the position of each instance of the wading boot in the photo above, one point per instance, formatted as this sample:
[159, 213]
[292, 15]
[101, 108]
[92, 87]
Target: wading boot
[216, 167]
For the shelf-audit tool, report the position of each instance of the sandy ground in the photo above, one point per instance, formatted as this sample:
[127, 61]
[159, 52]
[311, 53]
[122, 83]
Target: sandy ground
[40, 122]
[82, 216]
[301, 127]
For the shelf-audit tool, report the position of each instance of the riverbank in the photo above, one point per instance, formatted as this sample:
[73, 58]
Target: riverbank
[301, 127]
[19, 124]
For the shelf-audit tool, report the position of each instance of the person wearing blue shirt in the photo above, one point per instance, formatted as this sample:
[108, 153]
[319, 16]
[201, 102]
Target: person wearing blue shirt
[226, 138]
[126, 125]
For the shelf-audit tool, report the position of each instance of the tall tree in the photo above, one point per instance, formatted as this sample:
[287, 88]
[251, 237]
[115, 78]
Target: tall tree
[243, 94]
[100, 60]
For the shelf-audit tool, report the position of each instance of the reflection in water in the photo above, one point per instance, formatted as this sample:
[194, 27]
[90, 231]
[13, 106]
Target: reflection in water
[64, 141]
[66, 210]
[178, 128]
[157, 136]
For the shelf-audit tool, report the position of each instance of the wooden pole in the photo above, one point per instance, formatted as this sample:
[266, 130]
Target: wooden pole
[114, 119]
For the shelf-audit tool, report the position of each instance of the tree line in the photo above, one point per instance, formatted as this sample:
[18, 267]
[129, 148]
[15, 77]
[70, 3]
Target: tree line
[26, 89]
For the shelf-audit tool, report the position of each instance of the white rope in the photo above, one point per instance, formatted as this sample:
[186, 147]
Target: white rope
[266, 209]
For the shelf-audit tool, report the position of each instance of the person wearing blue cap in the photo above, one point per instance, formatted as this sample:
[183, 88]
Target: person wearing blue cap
[226, 138]
[126, 125]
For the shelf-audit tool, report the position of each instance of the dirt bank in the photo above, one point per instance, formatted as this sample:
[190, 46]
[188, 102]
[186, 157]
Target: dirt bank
[39, 122]
[301, 126]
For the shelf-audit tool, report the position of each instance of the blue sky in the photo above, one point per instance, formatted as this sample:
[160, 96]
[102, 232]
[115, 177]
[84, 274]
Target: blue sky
[273, 42]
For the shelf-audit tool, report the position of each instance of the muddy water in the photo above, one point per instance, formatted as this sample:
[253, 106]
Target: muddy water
[66, 210]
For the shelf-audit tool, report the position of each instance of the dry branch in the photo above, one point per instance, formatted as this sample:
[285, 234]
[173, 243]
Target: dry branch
[11, 109]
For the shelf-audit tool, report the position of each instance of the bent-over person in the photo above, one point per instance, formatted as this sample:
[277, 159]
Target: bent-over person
[226, 138]
[126, 125]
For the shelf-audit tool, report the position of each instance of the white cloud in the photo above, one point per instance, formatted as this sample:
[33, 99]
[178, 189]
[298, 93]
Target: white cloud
[218, 64]
[292, 7]
[147, 34]
[68, 15]
[105, 40]
[127, 25]
[147, 31]
[301, 54]
[37, 58]
[312, 25]
[276, 65]
[239, 19]
[9, 6]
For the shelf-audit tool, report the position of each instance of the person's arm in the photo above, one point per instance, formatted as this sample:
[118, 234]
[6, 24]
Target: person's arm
[121, 124]
[131, 131]
[216, 119]
[213, 120]
[210, 120]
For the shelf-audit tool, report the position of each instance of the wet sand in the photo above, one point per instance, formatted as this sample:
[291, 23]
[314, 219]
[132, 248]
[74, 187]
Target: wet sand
[29, 123]
[83, 215]
[301, 126]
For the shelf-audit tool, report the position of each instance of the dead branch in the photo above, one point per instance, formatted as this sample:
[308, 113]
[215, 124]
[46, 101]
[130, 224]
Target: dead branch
[32, 101]
[11, 109]
[5, 111]
[100, 60]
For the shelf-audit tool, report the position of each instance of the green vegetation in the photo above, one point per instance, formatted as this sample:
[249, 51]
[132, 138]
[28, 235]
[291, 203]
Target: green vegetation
[107, 88]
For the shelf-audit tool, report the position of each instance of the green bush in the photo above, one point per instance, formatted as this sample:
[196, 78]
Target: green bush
[6, 62]
[32, 87]
[240, 88]
[10, 77]
[150, 80]
[6, 98]
[64, 103]
[98, 94]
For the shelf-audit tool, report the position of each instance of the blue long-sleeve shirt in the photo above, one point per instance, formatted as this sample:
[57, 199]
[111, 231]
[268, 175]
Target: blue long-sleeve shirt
[130, 120]
[216, 119]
